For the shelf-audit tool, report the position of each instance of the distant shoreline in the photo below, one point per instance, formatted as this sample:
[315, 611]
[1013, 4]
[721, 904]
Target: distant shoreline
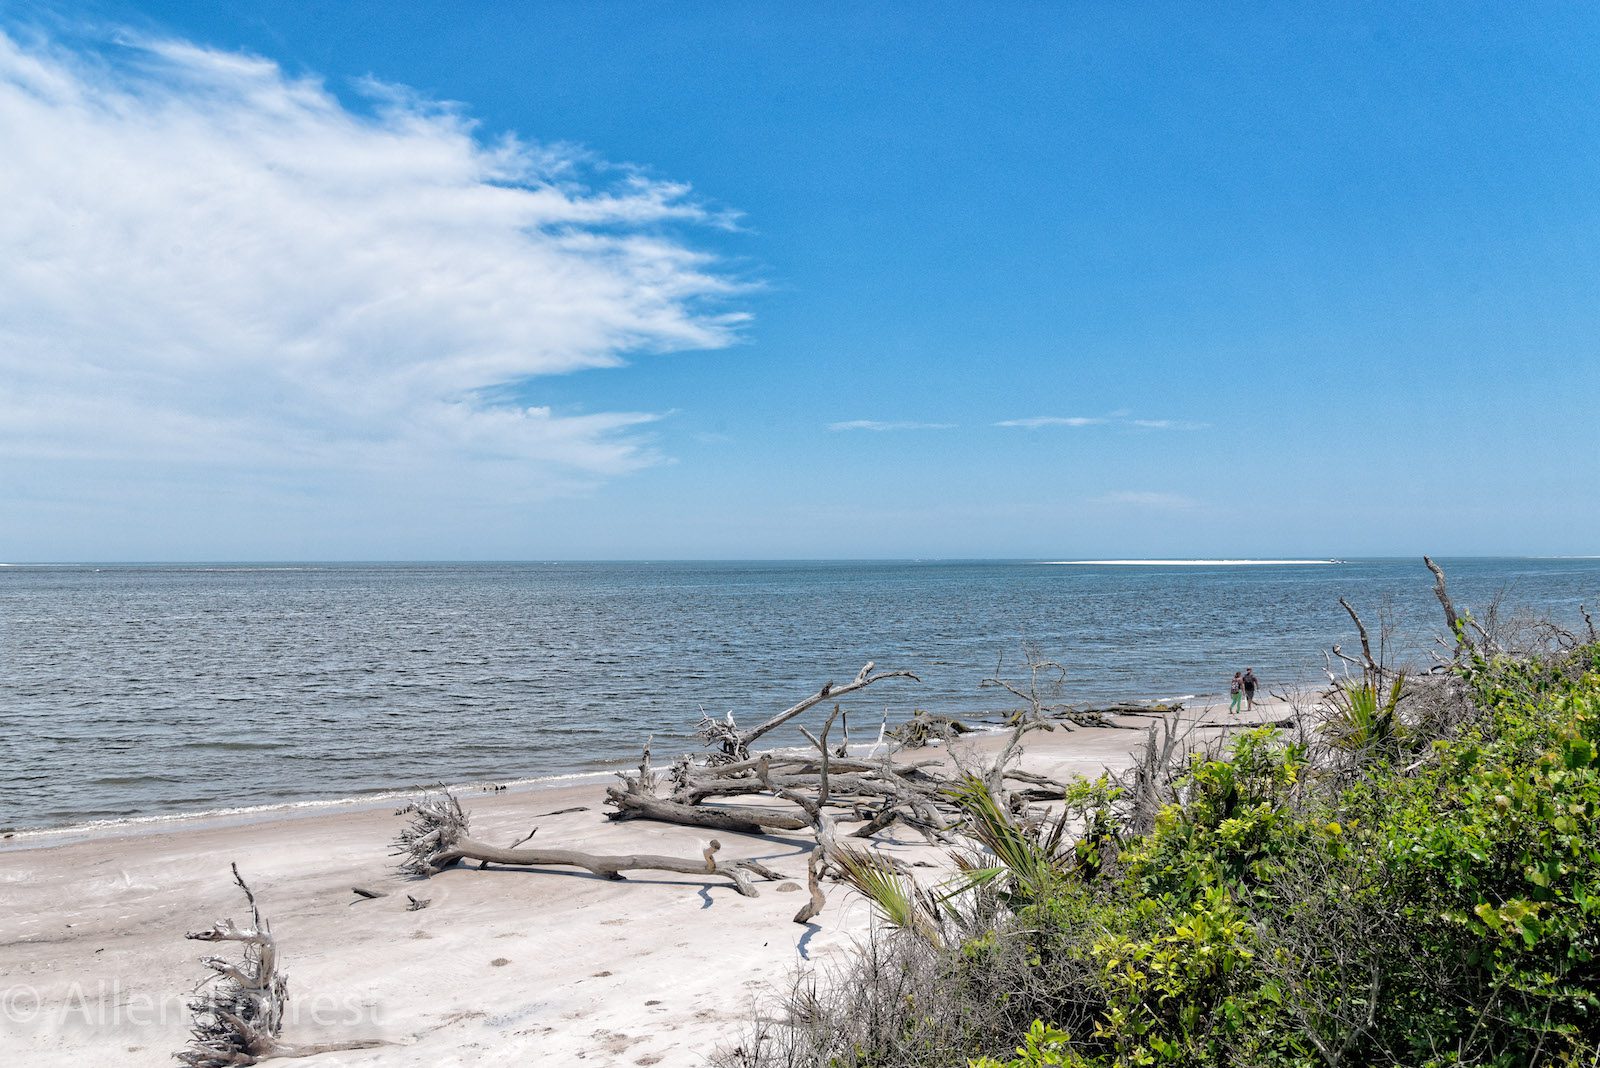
[1185, 563]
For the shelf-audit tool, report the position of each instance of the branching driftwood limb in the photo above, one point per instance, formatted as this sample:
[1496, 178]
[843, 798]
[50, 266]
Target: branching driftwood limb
[238, 1022]
[437, 838]
[1439, 591]
[735, 743]
[827, 847]
[1371, 667]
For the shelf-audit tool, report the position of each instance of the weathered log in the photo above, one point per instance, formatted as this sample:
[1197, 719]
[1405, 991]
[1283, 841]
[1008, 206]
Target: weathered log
[1161, 709]
[747, 819]
[437, 838]
[924, 727]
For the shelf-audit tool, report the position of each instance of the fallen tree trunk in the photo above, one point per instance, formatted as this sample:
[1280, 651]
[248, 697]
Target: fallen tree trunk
[437, 839]
[747, 819]
[1133, 710]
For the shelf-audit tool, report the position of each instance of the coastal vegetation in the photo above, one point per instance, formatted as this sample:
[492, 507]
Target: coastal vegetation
[1409, 875]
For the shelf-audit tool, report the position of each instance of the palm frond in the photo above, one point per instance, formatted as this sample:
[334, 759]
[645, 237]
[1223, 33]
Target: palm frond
[898, 898]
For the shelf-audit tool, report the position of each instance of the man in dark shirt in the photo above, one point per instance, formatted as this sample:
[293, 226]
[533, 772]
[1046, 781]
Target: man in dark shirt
[1250, 683]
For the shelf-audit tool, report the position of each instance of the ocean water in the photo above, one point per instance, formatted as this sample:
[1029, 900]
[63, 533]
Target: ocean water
[144, 690]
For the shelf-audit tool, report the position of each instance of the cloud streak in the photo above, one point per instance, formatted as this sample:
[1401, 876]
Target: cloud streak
[1038, 422]
[214, 265]
[1167, 424]
[879, 425]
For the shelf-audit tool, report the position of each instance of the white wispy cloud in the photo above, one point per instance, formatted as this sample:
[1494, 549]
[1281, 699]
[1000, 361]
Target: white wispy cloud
[1121, 418]
[1167, 424]
[1037, 421]
[879, 424]
[206, 261]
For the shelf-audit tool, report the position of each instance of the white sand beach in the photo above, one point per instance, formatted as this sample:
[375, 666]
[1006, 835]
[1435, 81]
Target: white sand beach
[656, 970]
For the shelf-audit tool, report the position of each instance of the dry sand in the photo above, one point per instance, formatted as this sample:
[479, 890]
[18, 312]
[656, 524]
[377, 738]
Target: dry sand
[656, 970]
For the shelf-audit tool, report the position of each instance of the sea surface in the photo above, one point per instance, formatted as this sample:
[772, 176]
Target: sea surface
[147, 690]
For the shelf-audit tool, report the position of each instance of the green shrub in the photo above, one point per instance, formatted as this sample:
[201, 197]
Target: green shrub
[1446, 912]
[1433, 902]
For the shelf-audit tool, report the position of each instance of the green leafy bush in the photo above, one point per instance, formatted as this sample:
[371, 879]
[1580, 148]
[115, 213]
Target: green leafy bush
[1436, 902]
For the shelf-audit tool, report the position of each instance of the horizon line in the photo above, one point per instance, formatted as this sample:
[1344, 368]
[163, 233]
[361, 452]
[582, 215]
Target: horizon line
[1120, 561]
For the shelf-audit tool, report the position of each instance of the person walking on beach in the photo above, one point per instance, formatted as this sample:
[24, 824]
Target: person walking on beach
[1250, 682]
[1235, 693]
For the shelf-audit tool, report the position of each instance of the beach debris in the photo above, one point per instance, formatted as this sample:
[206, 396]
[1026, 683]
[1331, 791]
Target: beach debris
[418, 903]
[760, 869]
[239, 1020]
[1105, 712]
[822, 789]
[437, 838]
[818, 790]
[926, 728]
[365, 894]
[734, 744]
[827, 787]
[564, 811]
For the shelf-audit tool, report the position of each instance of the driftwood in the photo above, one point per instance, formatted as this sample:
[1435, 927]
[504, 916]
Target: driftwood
[924, 728]
[878, 793]
[238, 1022]
[735, 743]
[875, 791]
[824, 825]
[826, 791]
[437, 838]
[828, 788]
[747, 819]
[1154, 710]
[1451, 620]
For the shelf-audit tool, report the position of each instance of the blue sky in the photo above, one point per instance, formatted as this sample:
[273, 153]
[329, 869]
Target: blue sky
[1007, 280]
